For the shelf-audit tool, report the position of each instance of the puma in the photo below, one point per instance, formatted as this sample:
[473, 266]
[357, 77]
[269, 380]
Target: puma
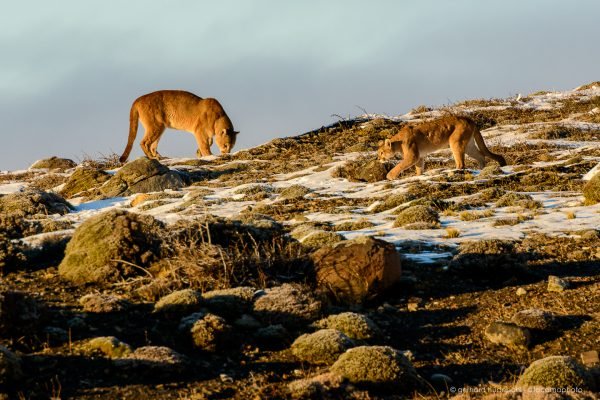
[177, 109]
[416, 141]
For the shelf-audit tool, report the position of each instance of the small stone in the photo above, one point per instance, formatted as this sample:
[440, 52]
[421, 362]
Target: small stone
[556, 284]
[590, 358]
[247, 322]
[508, 334]
[521, 292]
[210, 332]
[179, 303]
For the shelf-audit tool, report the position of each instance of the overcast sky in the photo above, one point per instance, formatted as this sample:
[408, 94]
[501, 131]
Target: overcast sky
[69, 70]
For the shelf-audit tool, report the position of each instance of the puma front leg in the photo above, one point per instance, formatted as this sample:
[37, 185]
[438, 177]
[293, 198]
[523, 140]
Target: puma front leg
[411, 157]
[204, 143]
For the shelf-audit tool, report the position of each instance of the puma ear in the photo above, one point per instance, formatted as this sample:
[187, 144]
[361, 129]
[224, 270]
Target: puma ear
[236, 132]
[388, 143]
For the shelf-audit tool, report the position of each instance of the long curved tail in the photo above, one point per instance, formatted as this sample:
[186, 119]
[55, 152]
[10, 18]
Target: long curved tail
[133, 128]
[483, 148]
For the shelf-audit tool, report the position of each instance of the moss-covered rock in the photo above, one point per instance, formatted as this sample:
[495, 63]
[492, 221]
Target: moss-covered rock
[110, 246]
[293, 192]
[210, 333]
[355, 326]
[556, 372]
[154, 359]
[82, 180]
[517, 199]
[103, 303]
[32, 202]
[291, 305]
[106, 346]
[53, 163]
[315, 387]
[142, 176]
[10, 367]
[418, 216]
[179, 303]
[321, 347]
[379, 367]
[363, 170]
[231, 302]
[591, 190]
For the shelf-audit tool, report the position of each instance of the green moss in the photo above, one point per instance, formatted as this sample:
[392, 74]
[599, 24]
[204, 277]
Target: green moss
[556, 372]
[354, 225]
[318, 239]
[354, 325]
[210, 332]
[105, 246]
[591, 190]
[418, 214]
[178, 303]
[321, 347]
[377, 366]
[393, 201]
[32, 202]
[82, 180]
[294, 192]
[518, 199]
[108, 346]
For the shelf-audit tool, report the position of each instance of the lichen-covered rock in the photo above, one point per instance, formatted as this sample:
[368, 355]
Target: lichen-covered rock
[556, 284]
[82, 180]
[272, 335]
[19, 314]
[321, 347]
[106, 346]
[179, 303]
[363, 170]
[32, 202]
[229, 303]
[142, 176]
[418, 217]
[291, 305]
[355, 270]
[534, 318]
[108, 247]
[355, 326]
[379, 367]
[591, 190]
[556, 372]
[210, 333]
[103, 303]
[10, 367]
[53, 163]
[508, 334]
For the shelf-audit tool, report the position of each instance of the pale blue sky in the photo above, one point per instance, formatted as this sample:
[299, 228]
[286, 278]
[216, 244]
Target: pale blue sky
[69, 70]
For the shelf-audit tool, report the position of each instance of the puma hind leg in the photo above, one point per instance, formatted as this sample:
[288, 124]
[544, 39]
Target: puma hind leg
[473, 151]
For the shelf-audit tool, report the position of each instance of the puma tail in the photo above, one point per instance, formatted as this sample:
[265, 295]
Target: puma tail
[483, 148]
[133, 128]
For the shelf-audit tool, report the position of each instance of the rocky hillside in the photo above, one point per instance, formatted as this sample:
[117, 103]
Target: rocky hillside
[296, 270]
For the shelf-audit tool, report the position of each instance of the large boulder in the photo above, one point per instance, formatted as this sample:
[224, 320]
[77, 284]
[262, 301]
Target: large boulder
[82, 180]
[591, 190]
[142, 176]
[32, 202]
[54, 163]
[110, 246]
[356, 270]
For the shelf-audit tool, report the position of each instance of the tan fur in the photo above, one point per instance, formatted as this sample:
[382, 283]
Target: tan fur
[416, 141]
[176, 109]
